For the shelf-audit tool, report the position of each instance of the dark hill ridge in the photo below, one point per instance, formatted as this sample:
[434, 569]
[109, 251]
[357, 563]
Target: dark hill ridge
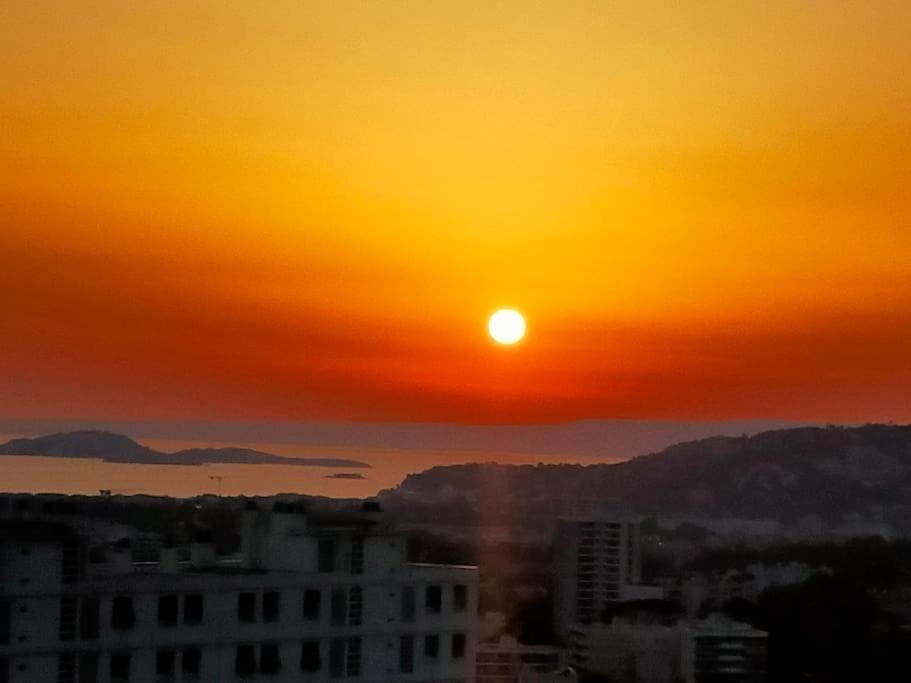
[118, 448]
[785, 474]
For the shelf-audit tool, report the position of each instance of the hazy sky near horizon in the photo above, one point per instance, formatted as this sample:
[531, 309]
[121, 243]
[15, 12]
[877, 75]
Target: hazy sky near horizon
[307, 210]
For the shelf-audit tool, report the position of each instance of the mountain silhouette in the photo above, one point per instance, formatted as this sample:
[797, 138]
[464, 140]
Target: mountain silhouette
[119, 448]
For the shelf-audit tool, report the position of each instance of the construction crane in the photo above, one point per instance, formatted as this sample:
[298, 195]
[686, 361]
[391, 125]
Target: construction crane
[218, 478]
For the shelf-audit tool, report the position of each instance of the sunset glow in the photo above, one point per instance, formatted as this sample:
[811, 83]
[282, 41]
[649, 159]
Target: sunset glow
[304, 210]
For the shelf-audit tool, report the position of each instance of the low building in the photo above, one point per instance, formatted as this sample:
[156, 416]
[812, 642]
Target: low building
[628, 652]
[312, 598]
[509, 661]
[719, 650]
[714, 650]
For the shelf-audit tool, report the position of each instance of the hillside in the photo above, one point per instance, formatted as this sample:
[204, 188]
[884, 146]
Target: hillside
[118, 448]
[785, 475]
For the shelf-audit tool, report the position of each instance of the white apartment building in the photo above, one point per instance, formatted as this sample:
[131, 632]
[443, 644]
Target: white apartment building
[598, 562]
[312, 598]
[719, 650]
[713, 650]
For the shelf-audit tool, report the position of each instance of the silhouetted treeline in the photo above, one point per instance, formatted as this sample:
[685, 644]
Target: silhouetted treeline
[874, 563]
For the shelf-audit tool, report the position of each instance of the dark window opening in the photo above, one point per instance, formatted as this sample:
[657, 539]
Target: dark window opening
[357, 555]
[165, 664]
[458, 645]
[122, 615]
[70, 568]
[167, 610]
[406, 654]
[269, 659]
[432, 646]
[66, 668]
[339, 606]
[246, 607]
[433, 599]
[408, 604]
[88, 667]
[326, 555]
[460, 598]
[245, 661]
[190, 663]
[192, 609]
[271, 605]
[310, 656]
[89, 619]
[312, 599]
[120, 667]
[354, 657]
[5, 620]
[336, 658]
[67, 626]
[355, 605]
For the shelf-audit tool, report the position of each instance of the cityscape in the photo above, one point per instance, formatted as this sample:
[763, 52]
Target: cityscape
[455, 341]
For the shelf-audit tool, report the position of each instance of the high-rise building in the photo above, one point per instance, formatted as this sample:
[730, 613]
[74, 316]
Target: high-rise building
[598, 561]
[311, 598]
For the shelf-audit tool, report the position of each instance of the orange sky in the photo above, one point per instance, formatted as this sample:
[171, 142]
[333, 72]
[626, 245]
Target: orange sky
[308, 209]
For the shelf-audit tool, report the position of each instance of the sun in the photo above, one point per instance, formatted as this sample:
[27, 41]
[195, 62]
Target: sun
[506, 326]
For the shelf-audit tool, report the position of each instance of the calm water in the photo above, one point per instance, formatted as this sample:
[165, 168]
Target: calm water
[388, 468]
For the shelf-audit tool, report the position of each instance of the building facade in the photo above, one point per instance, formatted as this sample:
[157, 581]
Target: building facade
[311, 598]
[598, 562]
[713, 650]
[719, 650]
[509, 661]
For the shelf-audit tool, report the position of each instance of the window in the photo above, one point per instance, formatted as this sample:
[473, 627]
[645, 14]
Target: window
[408, 604]
[66, 668]
[355, 605]
[245, 661]
[357, 554]
[433, 599]
[5, 621]
[120, 667]
[460, 598]
[246, 607]
[167, 610]
[339, 606]
[326, 555]
[165, 667]
[406, 654]
[432, 646]
[89, 619]
[336, 658]
[269, 659]
[271, 605]
[458, 645]
[310, 657]
[192, 609]
[312, 599]
[354, 657]
[67, 630]
[88, 667]
[71, 562]
[122, 615]
[190, 663]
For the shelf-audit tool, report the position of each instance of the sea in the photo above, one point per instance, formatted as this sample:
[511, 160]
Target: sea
[388, 467]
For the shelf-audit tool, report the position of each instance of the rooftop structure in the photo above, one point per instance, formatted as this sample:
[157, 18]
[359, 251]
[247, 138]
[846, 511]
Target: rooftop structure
[310, 598]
